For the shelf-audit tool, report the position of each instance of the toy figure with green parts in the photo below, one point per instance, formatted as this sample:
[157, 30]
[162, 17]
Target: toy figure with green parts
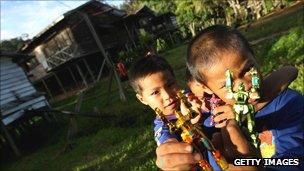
[242, 106]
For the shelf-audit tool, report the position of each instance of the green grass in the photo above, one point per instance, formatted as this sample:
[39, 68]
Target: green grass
[122, 139]
[284, 50]
[284, 23]
[176, 57]
[108, 149]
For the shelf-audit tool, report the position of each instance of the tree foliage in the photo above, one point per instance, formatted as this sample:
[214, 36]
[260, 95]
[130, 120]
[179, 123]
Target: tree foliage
[12, 45]
[194, 15]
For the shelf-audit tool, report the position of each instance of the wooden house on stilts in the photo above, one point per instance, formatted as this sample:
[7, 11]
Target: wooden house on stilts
[82, 46]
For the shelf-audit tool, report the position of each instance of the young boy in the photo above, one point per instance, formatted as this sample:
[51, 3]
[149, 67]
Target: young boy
[155, 85]
[219, 48]
[280, 78]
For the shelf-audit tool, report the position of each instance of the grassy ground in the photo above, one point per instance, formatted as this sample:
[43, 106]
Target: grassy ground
[276, 25]
[122, 139]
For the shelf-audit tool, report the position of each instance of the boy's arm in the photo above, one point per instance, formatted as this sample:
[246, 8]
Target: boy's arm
[231, 141]
[235, 145]
[274, 83]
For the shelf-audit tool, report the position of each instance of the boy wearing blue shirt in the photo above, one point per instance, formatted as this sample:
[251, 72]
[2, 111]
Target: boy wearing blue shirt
[279, 124]
[153, 80]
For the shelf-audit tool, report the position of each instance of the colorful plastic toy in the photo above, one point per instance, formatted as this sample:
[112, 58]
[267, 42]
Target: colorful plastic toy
[193, 134]
[214, 102]
[242, 106]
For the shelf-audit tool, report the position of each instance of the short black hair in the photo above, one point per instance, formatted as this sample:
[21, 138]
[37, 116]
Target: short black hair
[207, 47]
[146, 66]
[188, 76]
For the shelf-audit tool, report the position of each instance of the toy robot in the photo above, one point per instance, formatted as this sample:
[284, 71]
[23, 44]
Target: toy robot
[193, 134]
[241, 106]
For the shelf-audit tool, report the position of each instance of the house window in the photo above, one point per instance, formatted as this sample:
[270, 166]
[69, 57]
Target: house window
[50, 48]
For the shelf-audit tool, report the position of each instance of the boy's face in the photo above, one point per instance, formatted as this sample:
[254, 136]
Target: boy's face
[159, 90]
[239, 66]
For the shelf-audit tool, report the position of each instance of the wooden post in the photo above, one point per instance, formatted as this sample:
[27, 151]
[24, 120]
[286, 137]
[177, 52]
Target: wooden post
[59, 82]
[172, 41]
[82, 76]
[101, 69]
[110, 85]
[9, 138]
[47, 89]
[168, 31]
[129, 34]
[89, 69]
[73, 76]
[100, 46]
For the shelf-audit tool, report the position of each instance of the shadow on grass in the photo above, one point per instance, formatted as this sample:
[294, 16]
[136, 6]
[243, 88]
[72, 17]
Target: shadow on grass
[135, 152]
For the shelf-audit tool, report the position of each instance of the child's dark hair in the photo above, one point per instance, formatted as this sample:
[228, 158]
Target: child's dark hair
[146, 66]
[188, 76]
[207, 47]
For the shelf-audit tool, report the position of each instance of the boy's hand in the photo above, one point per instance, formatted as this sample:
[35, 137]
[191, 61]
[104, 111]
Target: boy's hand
[176, 156]
[200, 104]
[222, 115]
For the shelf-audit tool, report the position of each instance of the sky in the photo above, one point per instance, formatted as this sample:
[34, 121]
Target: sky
[32, 16]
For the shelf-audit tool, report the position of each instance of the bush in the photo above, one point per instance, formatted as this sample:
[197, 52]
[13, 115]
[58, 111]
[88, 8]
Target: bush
[289, 48]
[285, 50]
[161, 45]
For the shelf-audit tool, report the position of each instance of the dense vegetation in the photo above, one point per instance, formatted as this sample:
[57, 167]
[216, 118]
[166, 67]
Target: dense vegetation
[122, 139]
[194, 15]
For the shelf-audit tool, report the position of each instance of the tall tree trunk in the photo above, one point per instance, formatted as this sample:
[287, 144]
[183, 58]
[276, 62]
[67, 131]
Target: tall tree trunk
[233, 4]
[265, 10]
[192, 28]
[228, 18]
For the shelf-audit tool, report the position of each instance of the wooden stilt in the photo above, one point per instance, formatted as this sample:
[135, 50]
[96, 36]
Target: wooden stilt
[172, 41]
[82, 76]
[170, 36]
[110, 83]
[10, 139]
[89, 69]
[109, 62]
[109, 87]
[59, 82]
[129, 34]
[73, 76]
[101, 69]
[47, 89]
[46, 117]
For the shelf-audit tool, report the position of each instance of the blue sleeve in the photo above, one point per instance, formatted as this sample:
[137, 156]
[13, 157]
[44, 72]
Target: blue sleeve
[284, 117]
[161, 132]
[289, 125]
